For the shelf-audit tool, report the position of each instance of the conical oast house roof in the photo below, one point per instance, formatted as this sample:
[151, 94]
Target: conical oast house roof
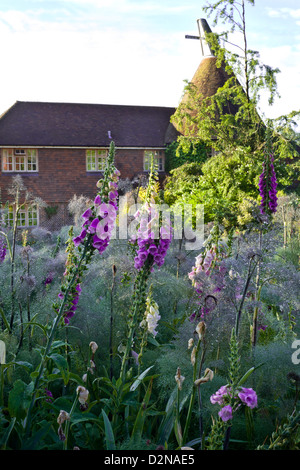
[207, 79]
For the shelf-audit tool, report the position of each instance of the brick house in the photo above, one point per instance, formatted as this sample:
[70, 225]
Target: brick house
[59, 149]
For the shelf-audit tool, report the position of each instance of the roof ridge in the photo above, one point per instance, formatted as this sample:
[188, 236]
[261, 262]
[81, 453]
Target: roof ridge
[64, 103]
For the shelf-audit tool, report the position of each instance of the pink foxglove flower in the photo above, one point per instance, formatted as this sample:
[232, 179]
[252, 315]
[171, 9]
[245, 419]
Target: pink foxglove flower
[218, 397]
[249, 397]
[225, 413]
[152, 242]
[2, 250]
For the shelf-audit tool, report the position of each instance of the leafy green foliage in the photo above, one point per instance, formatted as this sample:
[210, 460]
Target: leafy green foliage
[19, 399]
[182, 151]
[229, 121]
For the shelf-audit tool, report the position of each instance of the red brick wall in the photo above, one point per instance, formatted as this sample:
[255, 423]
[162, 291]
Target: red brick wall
[62, 173]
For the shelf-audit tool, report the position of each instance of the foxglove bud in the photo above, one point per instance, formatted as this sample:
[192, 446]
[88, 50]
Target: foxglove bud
[83, 394]
[179, 378]
[200, 329]
[93, 346]
[208, 375]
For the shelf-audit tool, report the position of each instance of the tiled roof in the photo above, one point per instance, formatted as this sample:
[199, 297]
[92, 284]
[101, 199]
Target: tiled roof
[206, 81]
[85, 125]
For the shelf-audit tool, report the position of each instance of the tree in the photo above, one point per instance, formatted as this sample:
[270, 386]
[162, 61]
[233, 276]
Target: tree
[229, 120]
[230, 116]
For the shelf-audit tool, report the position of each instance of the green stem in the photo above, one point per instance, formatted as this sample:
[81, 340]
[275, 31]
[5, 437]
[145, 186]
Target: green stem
[257, 295]
[138, 304]
[192, 399]
[49, 343]
[111, 324]
[239, 313]
[68, 422]
[7, 324]
[2, 366]
[254, 321]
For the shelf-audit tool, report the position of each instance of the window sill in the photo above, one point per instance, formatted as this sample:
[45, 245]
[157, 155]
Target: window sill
[23, 173]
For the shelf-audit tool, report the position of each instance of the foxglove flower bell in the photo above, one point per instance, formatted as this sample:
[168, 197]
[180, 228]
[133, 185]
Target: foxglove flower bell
[2, 250]
[268, 187]
[152, 241]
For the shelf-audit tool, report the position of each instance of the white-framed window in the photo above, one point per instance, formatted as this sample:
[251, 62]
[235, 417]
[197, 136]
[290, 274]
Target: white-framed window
[158, 160]
[28, 216]
[19, 160]
[96, 159]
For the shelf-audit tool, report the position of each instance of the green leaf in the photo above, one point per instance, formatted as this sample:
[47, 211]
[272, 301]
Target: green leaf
[7, 433]
[248, 373]
[35, 442]
[5, 321]
[76, 378]
[58, 344]
[19, 399]
[167, 423]
[153, 341]
[140, 419]
[84, 418]
[178, 431]
[62, 364]
[27, 365]
[140, 378]
[109, 434]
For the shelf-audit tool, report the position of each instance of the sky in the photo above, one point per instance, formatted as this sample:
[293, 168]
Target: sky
[130, 52]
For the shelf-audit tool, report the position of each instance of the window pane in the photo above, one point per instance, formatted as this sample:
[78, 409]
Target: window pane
[10, 216]
[101, 163]
[160, 164]
[96, 160]
[90, 160]
[20, 163]
[91, 163]
[19, 160]
[7, 160]
[102, 154]
[32, 216]
[7, 163]
[31, 164]
[27, 217]
[158, 160]
[147, 161]
[21, 221]
[31, 160]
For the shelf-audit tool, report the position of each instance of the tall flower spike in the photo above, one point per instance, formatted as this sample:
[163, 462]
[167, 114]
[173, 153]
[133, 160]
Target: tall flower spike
[2, 249]
[99, 219]
[97, 227]
[268, 182]
[153, 236]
